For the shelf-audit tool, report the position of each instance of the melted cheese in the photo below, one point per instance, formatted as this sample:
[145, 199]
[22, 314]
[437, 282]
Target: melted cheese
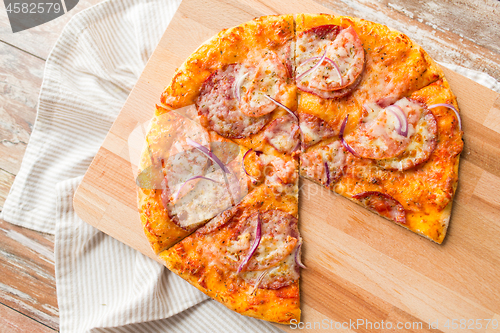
[282, 274]
[423, 143]
[346, 51]
[198, 200]
[203, 201]
[313, 136]
[268, 79]
[313, 163]
[284, 135]
[377, 137]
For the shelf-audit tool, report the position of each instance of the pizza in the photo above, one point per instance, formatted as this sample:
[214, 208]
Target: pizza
[350, 104]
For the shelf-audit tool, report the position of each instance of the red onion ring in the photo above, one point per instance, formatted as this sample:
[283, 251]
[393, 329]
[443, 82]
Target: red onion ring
[259, 281]
[187, 181]
[400, 115]
[450, 107]
[314, 67]
[208, 153]
[282, 106]
[297, 146]
[297, 257]
[243, 161]
[327, 169]
[337, 69]
[341, 136]
[243, 166]
[255, 245]
[237, 87]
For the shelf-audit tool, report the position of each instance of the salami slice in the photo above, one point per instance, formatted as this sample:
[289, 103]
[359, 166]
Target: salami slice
[314, 129]
[377, 137]
[218, 106]
[279, 238]
[421, 147]
[383, 204]
[283, 133]
[326, 164]
[278, 171]
[283, 274]
[334, 94]
[267, 79]
[342, 61]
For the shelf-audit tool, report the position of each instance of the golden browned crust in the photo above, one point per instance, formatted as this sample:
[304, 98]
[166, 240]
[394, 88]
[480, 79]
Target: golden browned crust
[160, 230]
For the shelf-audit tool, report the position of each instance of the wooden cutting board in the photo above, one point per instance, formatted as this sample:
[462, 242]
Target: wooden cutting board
[361, 268]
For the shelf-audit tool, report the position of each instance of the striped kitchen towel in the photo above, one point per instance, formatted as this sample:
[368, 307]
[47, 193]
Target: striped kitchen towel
[103, 285]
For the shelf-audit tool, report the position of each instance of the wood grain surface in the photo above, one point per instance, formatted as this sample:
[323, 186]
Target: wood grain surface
[28, 301]
[464, 32]
[13, 321]
[360, 266]
[28, 282]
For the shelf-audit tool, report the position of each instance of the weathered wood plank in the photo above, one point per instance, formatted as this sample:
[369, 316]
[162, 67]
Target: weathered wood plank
[39, 40]
[14, 322]
[477, 21]
[28, 277]
[448, 30]
[20, 80]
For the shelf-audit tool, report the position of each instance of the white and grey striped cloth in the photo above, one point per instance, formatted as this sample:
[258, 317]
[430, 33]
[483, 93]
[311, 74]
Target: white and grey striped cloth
[103, 285]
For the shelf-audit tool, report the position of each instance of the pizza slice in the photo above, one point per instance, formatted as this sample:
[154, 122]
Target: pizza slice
[400, 161]
[187, 175]
[241, 82]
[368, 132]
[248, 257]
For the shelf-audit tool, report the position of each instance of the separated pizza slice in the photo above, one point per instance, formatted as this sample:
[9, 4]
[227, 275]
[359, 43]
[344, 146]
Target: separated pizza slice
[364, 133]
[187, 175]
[344, 63]
[400, 161]
[248, 257]
[241, 82]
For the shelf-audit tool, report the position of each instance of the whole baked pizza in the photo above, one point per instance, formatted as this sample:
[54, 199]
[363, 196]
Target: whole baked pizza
[352, 105]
